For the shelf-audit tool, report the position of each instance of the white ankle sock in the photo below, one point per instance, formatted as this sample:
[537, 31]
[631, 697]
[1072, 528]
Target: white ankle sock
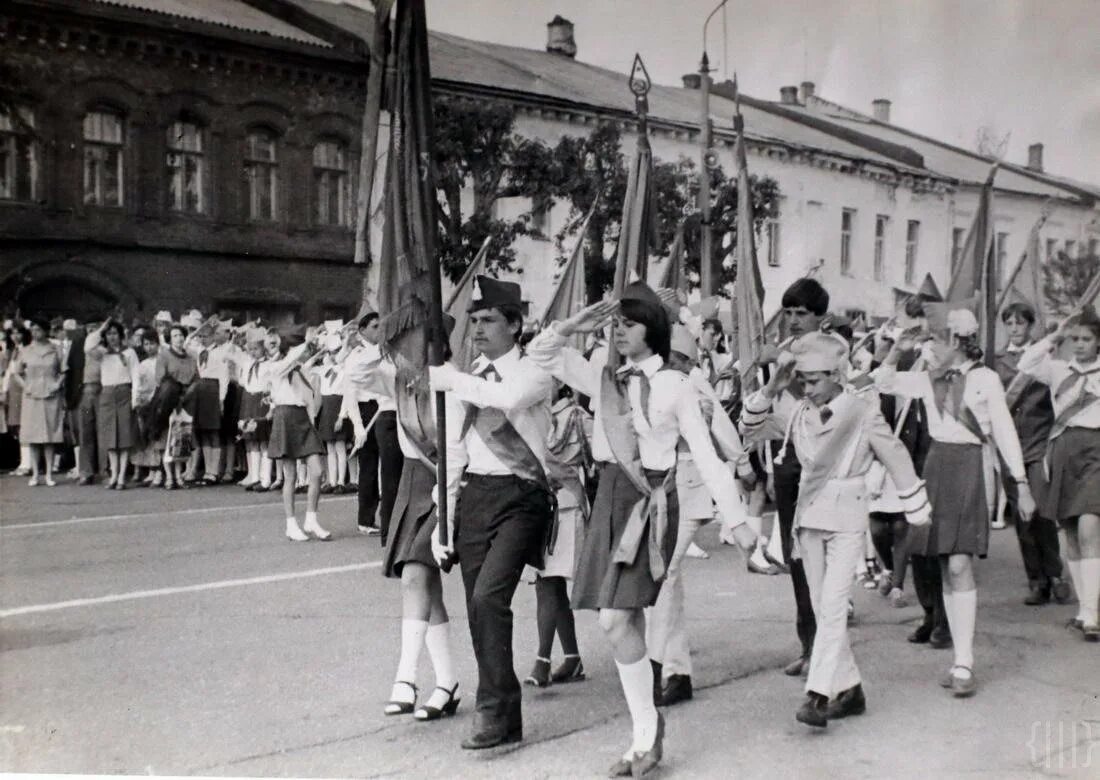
[637, 682]
[412, 639]
[966, 616]
[438, 641]
[1088, 593]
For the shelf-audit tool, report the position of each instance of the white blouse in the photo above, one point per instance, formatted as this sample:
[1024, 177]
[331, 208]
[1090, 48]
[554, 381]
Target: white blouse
[1037, 361]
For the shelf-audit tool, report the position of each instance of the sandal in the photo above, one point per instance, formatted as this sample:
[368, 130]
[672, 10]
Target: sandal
[394, 707]
[540, 673]
[450, 707]
[571, 670]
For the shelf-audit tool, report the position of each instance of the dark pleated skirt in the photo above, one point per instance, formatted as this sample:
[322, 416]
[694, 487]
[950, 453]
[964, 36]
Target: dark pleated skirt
[413, 521]
[253, 409]
[231, 410]
[208, 407]
[600, 583]
[956, 490]
[293, 435]
[116, 428]
[326, 420]
[1074, 464]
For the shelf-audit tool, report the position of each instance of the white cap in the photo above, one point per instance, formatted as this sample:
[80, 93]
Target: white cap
[962, 322]
[69, 324]
[191, 320]
[163, 316]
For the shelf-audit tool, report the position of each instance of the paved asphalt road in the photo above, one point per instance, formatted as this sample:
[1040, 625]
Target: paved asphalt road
[179, 633]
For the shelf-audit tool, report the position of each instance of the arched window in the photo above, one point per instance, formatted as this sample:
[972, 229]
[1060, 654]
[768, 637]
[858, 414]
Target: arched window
[186, 164]
[104, 141]
[330, 184]
[18, 156]
[262, 171]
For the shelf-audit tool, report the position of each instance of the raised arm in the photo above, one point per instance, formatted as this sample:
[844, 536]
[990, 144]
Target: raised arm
[526, 387]
[1037, 361]
[549, 351]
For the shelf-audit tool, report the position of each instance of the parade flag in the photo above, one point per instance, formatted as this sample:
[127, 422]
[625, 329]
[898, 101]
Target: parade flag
[1024, 285]
[674, 276]
[974, 281]
[568, 297]
[410, 291]
[638, 227]
[459, 303]
[749, 298]
[1091, 296]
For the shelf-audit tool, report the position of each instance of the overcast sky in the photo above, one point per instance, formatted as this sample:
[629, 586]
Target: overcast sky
[1026, 67]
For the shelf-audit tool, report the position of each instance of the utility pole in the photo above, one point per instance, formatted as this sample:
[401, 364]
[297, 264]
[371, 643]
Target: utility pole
[706, 160]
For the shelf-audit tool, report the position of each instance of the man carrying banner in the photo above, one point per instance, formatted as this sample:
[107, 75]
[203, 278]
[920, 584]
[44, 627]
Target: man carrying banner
[497, 482]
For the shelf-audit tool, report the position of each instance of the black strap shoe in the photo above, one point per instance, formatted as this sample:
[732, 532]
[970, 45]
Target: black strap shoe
[644, 763]
[845, 703]
[676, 689]
[570, 670]
[921, 634]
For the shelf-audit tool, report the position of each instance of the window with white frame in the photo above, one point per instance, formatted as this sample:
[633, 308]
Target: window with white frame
[773, 241]
[847, 221]
[958, 237]
[912, 237]
[330, 183]
[104, 143]
[18, 156]
[880, 245]
[261, 167]
[186, 162]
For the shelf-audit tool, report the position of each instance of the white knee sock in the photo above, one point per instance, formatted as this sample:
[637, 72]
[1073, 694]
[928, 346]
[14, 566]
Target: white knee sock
[412, 639]
[966, 616]
[1088, 592]
[438, 641]
[637, 682]
[1075, 577]
[949, 610]
[265, 469]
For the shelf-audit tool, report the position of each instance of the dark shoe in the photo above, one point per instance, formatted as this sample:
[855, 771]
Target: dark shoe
[845, 703]
[570, 670]
[86, 481]
[795, 667]
[492, 737]
[940, 639]
[675, 690]
[781, 567]
[427, 712]
[326, 489]
[962, 687]
[921, 634]
[540, 674]
[1038, 596]
[260, 488]
[210, 481]
[658, 673]
[1092, 633]
[301, 489]
[644, 763]
[814, 711]
[620, 768]
[369, 530]
[1075, 624]
[394, 707]
[1059, 588]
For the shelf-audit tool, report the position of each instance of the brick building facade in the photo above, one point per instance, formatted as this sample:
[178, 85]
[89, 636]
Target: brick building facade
[201, 158]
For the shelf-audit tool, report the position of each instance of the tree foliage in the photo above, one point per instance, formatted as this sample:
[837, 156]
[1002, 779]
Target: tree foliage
[1066, 278]
[477, 150]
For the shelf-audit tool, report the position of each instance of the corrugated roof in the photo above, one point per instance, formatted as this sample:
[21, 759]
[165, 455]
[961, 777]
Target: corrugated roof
[233, 14]
[563, 80]
[947, 159]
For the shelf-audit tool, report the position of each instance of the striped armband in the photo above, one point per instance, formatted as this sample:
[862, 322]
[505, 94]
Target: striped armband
[755, 411]
[914, 499]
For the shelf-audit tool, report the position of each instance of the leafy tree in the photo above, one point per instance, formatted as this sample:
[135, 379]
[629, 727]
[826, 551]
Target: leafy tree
[476, 148]
[1066, 278]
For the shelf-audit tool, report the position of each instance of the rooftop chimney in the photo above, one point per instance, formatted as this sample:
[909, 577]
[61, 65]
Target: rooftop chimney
[559, 37]
[807, 91]
[880, 109]
[1035, 157]
[692, 81]
[788, 96]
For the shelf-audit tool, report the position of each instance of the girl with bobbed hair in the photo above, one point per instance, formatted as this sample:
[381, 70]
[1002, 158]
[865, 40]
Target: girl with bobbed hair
[39, 372]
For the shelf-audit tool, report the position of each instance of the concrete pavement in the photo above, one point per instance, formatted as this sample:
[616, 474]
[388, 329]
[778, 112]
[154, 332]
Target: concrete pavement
[180, 633]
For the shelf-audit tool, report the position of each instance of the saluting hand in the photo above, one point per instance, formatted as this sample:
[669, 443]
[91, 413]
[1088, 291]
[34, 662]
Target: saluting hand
[589, 319]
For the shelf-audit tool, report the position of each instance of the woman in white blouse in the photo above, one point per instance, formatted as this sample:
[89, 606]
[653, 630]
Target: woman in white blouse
[969, 423]
[1073, 456]
[116, 429]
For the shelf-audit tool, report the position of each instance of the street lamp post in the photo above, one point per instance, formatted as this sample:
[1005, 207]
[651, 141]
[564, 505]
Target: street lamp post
[707, 160]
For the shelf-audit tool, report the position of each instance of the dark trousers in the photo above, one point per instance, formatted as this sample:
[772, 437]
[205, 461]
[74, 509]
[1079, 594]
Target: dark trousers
[86, 435]
[1039, 538]
[786, 499]
[500, 524]
[380, 453]
[928, 583]
[888, 532]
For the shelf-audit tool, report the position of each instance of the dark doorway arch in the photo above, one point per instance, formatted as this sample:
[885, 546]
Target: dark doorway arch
[64, 297]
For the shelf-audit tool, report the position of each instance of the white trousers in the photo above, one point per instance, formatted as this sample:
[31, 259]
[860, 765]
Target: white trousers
[666, 627]
[830, 559]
